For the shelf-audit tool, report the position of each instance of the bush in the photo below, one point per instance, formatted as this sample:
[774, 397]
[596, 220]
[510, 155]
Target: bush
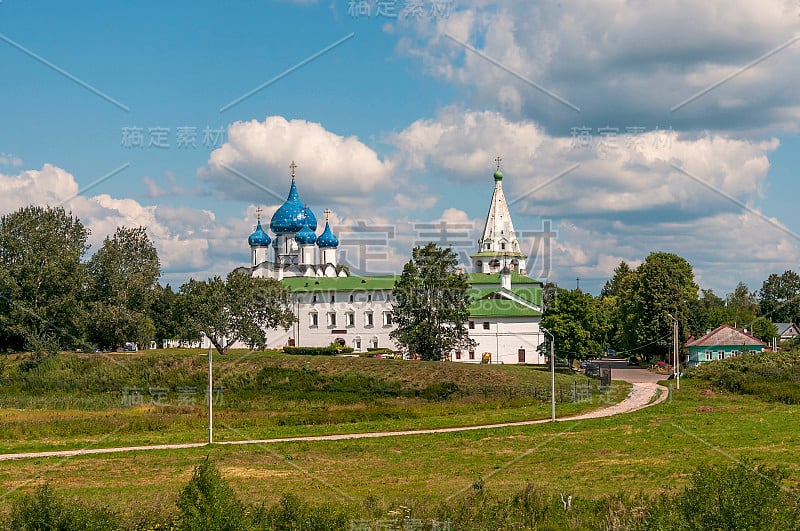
[47, 510]
[739, 496]
[439, 391]
[770, 376]
[207, 502]
[318, 351]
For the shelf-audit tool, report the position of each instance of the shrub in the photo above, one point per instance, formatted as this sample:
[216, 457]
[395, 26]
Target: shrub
[318, 351]
[439, 391]
[47, 510]
[738, 496]
[207, 502]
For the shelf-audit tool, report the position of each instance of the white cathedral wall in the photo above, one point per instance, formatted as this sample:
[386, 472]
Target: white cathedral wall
[325, 316]
[503, 339]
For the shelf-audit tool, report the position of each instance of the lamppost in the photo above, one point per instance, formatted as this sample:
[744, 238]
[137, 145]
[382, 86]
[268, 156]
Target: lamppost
[210, 393]
[675, 356]
[552, 375]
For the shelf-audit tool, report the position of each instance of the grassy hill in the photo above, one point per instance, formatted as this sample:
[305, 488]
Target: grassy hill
[74, 399]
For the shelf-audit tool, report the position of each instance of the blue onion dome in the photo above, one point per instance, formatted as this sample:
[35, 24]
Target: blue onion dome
[259, 238]
[289, 218]
[305, 236]
[327, 240]
[311, 219]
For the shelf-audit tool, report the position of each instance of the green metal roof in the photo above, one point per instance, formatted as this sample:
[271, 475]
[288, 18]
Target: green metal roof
[500, 308]
[532, 295]
[530, 292]
[494, 278]
[351, 283]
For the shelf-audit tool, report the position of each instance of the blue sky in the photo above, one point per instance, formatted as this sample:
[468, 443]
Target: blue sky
[632, 126]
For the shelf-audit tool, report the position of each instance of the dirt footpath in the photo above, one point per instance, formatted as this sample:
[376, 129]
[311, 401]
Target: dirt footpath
[645, 393]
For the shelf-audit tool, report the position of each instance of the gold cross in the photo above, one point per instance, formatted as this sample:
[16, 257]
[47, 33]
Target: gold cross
[292, 166]
[259, 211]
[498, 160]
[327, 213]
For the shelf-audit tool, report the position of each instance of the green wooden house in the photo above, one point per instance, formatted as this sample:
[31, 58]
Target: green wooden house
[723, 342]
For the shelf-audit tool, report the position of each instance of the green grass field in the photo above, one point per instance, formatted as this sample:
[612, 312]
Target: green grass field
[650, 451]
[90, 400]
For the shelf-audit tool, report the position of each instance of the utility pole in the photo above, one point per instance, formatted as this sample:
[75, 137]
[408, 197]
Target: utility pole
[552, 375]
[675, 355]
[210, 394]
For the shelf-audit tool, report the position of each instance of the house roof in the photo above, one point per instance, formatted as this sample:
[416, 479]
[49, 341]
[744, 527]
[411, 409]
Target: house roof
[500, 308]
[494, 278]
[784, 327]
[485, 280]
[351, 283]
[725, 335]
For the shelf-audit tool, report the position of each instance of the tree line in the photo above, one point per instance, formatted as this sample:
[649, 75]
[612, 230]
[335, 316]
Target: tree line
[52, 297]
[632, 312]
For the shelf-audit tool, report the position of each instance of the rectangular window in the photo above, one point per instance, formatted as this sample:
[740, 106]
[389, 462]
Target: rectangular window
[486, 325]
[357, 344]
[472, 354]
[720, 354]
[472, 325]
[387, 319]
[368, 319]
[313, 320]
[709, 356]
[350, 319]
[332, 319]
[458, 354]
[373, 343]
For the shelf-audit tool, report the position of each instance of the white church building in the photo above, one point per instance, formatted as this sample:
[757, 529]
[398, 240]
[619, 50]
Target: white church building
[333, 306]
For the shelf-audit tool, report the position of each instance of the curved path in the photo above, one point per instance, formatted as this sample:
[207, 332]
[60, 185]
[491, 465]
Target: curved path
[645, 392]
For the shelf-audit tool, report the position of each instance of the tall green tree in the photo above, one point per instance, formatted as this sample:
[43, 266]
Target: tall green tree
[763, 329]
[779, 297]
[431, 306]
[166, 313]
[41, 278]
[612, 304]
[123, 276]
[239, 308]
[706, 312]
[619, 284]
[575, 324]
[663, 284]
[742, 306]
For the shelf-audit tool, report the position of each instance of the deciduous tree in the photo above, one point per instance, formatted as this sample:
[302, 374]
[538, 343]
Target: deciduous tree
[123, 275]
[238, 308]
[432, 304]
[41, 277]
[780, 297]
[574, 322]
[663, 284]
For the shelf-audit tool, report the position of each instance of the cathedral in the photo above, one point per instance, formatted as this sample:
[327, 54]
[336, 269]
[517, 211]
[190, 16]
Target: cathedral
[333, 306]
